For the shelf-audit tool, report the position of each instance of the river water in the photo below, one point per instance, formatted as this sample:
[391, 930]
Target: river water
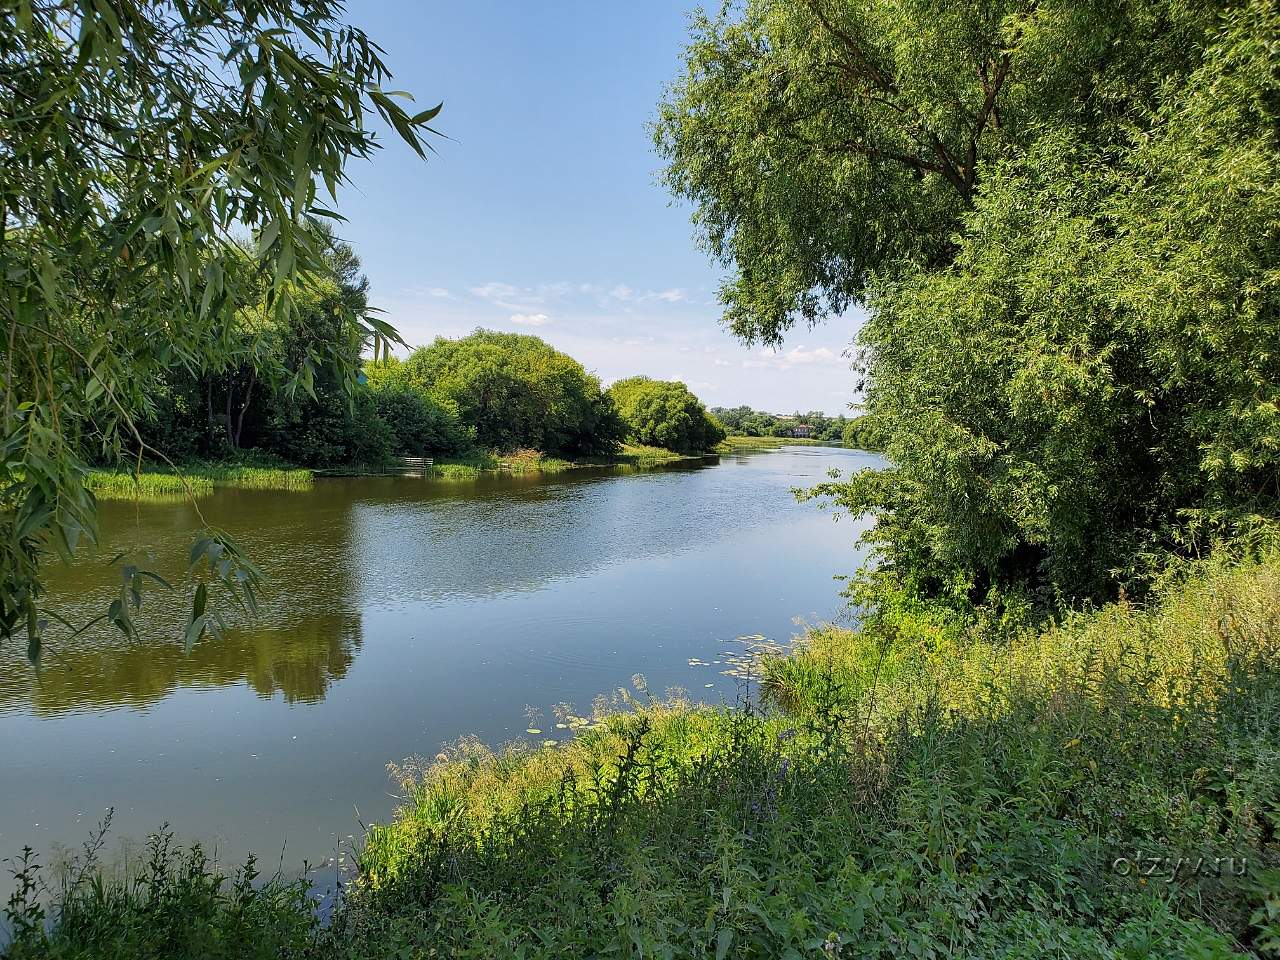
[402, 613]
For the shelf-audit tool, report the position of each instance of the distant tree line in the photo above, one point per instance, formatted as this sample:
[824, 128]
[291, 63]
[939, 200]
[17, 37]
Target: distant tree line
[490, 391]
[814, 425]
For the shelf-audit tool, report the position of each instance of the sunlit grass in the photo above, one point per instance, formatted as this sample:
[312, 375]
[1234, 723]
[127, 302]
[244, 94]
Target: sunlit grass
[195, 480]
[732, 444]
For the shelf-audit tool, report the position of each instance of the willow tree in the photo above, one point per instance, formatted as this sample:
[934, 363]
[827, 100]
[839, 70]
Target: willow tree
[826, 144]
[1061, 216]
[140, 142]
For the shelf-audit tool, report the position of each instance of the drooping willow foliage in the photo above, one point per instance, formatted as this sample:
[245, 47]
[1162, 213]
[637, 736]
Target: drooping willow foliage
[142, 142]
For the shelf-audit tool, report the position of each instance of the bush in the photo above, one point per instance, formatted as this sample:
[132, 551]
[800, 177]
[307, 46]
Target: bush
[663, 413]
[419, 425]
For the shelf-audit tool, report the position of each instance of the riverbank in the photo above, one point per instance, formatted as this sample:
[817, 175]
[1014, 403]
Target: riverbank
[195, 479]
[735, 444]
[532, 461]
[200, 479]
[923, 787]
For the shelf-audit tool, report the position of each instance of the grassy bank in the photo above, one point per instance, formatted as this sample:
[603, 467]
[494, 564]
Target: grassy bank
[198, 479]
[532, 461]
[925, 788]
[733, 444]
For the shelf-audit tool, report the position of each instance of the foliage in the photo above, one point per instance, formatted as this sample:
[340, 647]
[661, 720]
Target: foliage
[176, 904]
[513, 391]
[1069, 358]
[663, 413]
[861, 434]
[825, 145]
[139, 141]
[419, 424]
[1094, 381]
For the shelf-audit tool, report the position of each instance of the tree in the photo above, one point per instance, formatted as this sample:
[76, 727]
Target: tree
[138, 141]
[1077, 373]
[663, 413]
[1095, 380]
[513, 391]
[827, 146]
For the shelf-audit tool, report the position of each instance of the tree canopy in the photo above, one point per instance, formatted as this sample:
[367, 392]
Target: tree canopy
[1070, 354]
[826, 145]
[138, 143]
[513, 391]
[663, 413]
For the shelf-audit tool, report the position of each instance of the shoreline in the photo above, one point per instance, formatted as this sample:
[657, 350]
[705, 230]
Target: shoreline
[201, 478]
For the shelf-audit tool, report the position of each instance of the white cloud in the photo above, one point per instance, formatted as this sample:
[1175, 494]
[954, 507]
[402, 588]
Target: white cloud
[530, 319]
[494, 291]
[797, 356]
[674, 295]
[440, 293]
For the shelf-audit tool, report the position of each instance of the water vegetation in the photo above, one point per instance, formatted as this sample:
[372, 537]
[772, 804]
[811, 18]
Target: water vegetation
[196, 479]
[733, 443]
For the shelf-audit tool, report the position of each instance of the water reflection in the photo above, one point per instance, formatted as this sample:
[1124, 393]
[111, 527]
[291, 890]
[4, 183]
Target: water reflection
[347, 546]
[299, 661]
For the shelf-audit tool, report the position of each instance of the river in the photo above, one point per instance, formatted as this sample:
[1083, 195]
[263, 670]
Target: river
[402, 613]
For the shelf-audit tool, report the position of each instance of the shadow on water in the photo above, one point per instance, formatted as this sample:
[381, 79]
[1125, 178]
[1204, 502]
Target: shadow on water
[348, 544]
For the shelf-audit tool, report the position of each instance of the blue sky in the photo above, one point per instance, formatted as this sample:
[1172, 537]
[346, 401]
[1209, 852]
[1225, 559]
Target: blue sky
[542, 213]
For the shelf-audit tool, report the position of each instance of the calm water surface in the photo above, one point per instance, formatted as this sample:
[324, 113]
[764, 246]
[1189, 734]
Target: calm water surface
[402, 614]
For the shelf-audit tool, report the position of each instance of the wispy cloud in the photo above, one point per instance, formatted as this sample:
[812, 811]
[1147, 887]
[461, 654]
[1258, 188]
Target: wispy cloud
[530, 319]
[795, 357]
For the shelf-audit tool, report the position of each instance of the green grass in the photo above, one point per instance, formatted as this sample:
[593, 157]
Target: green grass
[927, 787]
[519, 462]
[532, 461]
[194, 480]
[734, 444]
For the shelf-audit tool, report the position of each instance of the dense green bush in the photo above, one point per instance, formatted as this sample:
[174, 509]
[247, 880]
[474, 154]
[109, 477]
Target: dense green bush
[420, 425]
[861, 434]
[1062, 222]
[514, 391]
[663, 413]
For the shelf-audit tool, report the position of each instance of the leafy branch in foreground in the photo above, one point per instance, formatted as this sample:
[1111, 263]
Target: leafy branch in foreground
[139, 142]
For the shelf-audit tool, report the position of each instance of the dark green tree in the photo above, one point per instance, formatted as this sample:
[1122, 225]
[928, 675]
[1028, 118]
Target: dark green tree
[513, 391]
[138, 141]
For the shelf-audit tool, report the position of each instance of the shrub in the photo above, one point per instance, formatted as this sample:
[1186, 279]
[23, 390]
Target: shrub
[663, 413]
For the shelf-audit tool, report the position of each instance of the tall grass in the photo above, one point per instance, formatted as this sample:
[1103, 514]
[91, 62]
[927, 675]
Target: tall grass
[194, 480]
[175, 903]
[736, 443]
